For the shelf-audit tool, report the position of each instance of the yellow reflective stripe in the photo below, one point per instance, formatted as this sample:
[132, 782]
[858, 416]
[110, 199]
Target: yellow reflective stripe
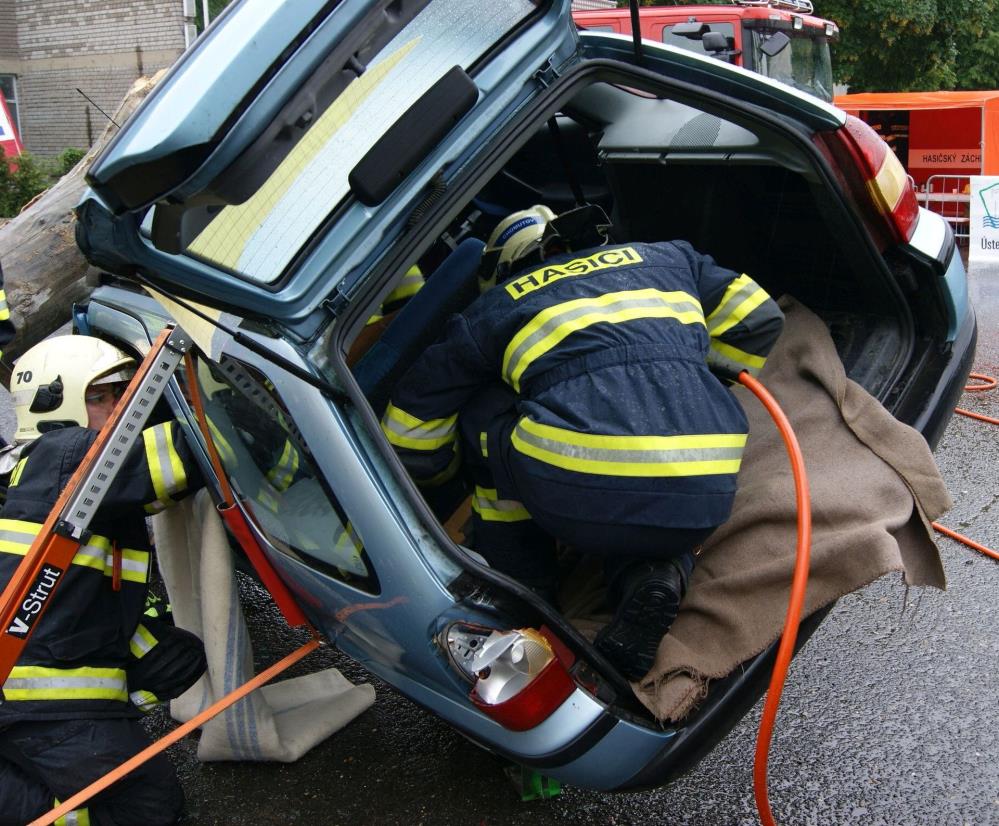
[4, 309]
[287, 466]
[686, 455]
[144, 700]
[226, 453]
[553, 324]
[374, 319]
[166, 470]
[487, 504]
[142, 642]
[77, 817]
[733, 359]
[411, 284]
[17, 535]
[742, 296]
[405, 430]
[15, 474]
[30, 682]
[484, 445]
[134, 565]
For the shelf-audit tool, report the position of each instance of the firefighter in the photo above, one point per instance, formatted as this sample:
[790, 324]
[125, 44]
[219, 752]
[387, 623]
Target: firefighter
[94, 661]
[582, 395]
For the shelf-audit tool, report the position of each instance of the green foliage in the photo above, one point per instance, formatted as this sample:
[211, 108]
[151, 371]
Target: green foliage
[914, 45]
[67, 159]
[21, 184]
[214, 10]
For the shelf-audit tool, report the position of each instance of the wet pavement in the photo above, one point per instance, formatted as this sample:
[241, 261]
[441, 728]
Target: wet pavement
[888, 716]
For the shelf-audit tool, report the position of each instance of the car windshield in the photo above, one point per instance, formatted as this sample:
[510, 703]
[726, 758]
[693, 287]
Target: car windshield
[260, 237]
[804, 64]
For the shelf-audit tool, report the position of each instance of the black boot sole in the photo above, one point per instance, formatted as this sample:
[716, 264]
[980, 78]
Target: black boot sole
[630, 641]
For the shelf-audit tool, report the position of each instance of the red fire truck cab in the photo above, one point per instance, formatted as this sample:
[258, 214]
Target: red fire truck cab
[781, 39]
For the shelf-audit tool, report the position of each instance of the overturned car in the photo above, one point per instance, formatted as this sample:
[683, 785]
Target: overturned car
[303, 157]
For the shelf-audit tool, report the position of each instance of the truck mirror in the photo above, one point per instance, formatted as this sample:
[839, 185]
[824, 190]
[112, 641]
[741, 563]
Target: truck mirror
[775, 44]
[691, 29]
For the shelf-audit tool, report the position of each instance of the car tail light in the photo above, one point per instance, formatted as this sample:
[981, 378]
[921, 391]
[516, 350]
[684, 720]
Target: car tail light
[519, 678]
[888, 186]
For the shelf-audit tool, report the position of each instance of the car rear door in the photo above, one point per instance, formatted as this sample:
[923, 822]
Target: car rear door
[248, 178]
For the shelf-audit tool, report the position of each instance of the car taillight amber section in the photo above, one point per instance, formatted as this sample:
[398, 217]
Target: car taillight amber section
[888, 184]
[521, 680]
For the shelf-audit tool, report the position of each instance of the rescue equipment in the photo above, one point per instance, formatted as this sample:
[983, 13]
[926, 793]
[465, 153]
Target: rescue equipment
[57, 544]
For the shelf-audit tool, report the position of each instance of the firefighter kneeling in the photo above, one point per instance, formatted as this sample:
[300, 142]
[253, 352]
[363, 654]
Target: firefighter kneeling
[581, 392]
[94, 662]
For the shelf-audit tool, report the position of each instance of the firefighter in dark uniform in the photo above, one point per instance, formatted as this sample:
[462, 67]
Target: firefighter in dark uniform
[94, 661]
[583, 396]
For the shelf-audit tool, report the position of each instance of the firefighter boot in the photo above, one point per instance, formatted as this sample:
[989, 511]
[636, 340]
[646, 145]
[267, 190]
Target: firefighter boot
[648, 598]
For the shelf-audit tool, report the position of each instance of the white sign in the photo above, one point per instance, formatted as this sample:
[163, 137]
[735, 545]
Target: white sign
[946, 158]
[984, 219]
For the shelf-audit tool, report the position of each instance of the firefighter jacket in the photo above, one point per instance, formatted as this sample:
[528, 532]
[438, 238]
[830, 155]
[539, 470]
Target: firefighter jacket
[75, 661]
[610, 352]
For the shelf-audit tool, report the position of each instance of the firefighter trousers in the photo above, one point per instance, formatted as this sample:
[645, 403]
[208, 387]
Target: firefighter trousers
[517, 535]
[43, 762]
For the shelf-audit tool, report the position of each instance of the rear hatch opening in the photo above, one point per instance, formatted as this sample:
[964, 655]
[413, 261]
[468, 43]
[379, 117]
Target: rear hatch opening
[744, 192]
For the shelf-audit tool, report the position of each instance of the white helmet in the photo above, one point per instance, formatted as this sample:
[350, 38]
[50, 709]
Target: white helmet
[49, 381]
[515, 237]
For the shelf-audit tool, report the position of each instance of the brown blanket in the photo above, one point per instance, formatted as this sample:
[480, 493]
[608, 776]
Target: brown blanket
[874, 489]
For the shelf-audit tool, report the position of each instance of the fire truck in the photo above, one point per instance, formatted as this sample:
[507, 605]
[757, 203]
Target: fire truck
[781, 39]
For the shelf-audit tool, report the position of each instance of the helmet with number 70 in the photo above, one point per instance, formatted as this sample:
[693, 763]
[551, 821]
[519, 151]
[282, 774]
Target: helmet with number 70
[50, 381]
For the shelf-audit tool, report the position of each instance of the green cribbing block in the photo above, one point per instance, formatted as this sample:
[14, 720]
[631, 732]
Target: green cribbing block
[532, 785]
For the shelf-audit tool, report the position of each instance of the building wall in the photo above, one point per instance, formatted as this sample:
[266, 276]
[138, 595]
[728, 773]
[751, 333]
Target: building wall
[8, 34]
[98, 47]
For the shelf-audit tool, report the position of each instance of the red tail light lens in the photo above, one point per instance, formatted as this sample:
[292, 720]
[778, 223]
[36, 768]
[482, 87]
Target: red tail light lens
[888, 185]
[520, 679]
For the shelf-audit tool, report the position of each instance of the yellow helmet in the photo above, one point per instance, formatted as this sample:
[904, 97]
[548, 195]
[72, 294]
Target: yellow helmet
[515, 237]
[49, 382]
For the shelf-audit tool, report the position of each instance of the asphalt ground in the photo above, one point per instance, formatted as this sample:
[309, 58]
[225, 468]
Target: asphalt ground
[888, 716]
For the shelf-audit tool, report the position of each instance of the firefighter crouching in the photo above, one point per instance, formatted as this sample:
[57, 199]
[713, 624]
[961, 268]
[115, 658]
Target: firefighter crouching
[581, 394]
[94, 662]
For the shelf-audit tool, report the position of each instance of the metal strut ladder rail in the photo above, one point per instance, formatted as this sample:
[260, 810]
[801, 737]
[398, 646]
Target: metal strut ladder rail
[36, 581]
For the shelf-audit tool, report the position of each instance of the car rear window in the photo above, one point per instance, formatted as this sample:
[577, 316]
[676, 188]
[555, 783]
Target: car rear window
[259, 238]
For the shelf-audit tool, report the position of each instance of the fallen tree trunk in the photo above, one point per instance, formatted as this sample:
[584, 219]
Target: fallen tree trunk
[44, 271]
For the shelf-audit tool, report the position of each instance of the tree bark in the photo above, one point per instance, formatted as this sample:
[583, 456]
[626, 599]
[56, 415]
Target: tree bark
[44, 271]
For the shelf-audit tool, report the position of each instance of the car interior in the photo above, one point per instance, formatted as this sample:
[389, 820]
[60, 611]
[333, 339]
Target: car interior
[661, 169]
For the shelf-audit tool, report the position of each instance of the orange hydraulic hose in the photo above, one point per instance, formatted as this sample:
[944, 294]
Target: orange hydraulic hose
[799, 579]
[988, 383]
[799, 582]
[151, 751]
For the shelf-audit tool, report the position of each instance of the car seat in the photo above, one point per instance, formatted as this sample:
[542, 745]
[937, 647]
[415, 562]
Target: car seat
[448, 290]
